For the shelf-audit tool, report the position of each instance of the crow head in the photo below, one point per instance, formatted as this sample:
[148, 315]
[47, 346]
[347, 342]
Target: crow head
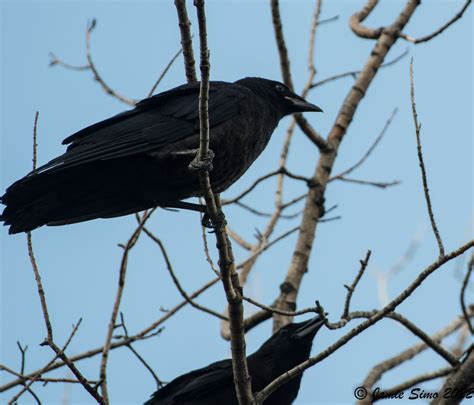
[278, 95]
[292, 342]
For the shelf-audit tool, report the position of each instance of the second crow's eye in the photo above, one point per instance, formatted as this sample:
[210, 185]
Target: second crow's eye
[279, 88]
[283, 332]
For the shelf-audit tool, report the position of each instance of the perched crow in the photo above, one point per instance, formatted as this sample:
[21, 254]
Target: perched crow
[139, 159]
[214, 384]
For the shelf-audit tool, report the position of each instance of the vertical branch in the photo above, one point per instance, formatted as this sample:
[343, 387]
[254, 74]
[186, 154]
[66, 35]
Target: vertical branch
[422, 165]
[282, 50]
[186, 40]
[31, 254]
[229, 274]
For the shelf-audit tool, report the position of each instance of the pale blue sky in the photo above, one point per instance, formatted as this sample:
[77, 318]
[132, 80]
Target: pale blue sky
[131, 44]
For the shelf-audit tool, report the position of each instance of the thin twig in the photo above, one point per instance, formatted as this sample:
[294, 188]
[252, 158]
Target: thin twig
[442, 372]
[354, 74]
[266, 245]
[54, 60]
[378, 184]
[165, 71]
[239, 239]
[118, 298]
[352, 287]
[422, 164]
[159, 383]
[426, 38]
[95, 72]
[43, 379]
[377, 371]
[252, 187]
[31, 254]
[278, 382]
[369, 151]
[470, 267]
[273, 310]
[176, 282]
[146, 333]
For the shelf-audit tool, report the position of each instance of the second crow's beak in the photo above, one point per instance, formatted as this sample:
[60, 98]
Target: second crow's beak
[309, 327]
[302, 105]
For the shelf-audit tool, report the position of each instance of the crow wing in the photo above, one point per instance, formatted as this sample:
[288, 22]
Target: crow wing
[195, 385]
[155, 122]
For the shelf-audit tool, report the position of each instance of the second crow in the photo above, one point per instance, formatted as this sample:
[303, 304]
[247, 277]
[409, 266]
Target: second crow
[214, 384]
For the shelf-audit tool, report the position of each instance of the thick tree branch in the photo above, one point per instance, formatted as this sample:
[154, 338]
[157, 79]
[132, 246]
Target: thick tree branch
[356, 20]
[314, 202]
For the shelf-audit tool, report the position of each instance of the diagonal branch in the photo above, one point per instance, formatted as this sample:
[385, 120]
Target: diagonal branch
[278, 382]
[427, 38]
[314, 202]
[118, 298]
[175, 278]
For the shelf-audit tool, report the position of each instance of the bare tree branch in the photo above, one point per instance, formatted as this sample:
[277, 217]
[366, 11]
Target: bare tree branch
[176, 282]
[369, 151]
[142, 335]
[431, 375]
[186, 40]
[165, 70]
[458, 384]
[278, 382]
[470, 267]
[314, 202]
[355, 73]
[387, 365]
[230, 278]
[422, 164]
[352, 287]
[356, 20]
[94, 70]
[427, 38]
[118, 298]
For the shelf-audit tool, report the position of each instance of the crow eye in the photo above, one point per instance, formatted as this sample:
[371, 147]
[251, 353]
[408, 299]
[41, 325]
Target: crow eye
[283, 332]
[279, 88]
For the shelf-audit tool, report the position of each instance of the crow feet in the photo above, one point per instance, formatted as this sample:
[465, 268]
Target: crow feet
[199, 164]
[218, 224]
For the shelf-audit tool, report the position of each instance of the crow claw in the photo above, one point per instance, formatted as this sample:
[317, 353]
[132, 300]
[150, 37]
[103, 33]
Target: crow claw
[202, 164]
[218, 224]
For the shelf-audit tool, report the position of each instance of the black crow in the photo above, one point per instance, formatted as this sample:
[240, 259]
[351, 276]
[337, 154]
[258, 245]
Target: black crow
[141, 158]
[214, 384]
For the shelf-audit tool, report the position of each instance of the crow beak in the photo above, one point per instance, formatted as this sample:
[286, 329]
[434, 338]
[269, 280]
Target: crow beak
[302, 105]
[309, 327]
